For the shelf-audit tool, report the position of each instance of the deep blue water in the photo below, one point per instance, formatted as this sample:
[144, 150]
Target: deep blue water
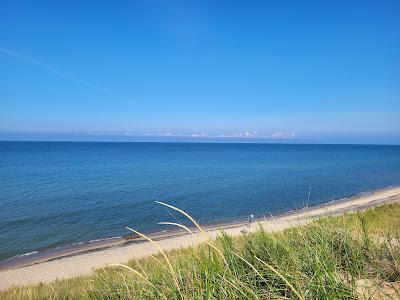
[55, 193]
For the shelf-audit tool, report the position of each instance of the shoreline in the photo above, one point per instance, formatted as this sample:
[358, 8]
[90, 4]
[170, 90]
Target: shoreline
[40, 256]
[67, 262]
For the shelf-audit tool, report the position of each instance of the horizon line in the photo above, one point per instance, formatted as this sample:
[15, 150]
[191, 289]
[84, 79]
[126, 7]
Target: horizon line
[237, 141]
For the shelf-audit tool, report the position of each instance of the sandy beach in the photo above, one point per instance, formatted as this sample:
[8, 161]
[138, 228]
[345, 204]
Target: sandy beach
[53, 268]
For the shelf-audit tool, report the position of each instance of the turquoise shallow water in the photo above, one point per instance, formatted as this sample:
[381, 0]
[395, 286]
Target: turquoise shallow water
[55, 193]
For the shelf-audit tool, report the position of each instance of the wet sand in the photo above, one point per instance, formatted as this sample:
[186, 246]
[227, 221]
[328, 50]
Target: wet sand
[77, 261]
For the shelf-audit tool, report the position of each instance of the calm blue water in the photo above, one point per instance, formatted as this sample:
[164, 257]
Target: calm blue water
[54, 194]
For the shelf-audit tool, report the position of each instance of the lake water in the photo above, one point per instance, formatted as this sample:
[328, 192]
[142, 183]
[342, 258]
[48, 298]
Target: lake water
[59, 193]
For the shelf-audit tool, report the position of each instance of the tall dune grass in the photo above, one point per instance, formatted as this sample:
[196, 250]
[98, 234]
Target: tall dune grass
[354, 256]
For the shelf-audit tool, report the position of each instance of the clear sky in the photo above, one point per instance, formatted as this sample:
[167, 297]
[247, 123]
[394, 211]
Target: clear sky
[292, 71]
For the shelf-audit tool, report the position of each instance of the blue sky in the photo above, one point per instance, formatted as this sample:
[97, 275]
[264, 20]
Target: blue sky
[273, 71]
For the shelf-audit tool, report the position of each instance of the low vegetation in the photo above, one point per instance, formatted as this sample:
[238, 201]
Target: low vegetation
[354, 256]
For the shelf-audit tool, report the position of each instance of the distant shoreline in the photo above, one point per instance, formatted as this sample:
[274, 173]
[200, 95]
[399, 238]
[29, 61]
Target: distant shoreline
[83, 259]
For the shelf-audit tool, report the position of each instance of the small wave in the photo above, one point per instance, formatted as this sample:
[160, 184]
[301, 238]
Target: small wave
[22, 255]
[85, 242]
[105, 239]
[93, 241]
[29, 253]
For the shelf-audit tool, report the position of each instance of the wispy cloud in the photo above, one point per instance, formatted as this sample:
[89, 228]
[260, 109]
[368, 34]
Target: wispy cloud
[65, 75]
[280, 135]
[276, 135]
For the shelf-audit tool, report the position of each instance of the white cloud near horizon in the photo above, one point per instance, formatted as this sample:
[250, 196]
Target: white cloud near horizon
[276, 135]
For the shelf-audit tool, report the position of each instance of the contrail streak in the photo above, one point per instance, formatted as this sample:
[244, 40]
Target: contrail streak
[64, 74]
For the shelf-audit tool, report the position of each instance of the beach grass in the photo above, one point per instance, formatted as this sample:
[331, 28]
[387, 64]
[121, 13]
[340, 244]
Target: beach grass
[352, 256]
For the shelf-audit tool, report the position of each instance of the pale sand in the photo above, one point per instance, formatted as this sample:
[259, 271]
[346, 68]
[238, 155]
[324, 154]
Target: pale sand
[86, 263]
